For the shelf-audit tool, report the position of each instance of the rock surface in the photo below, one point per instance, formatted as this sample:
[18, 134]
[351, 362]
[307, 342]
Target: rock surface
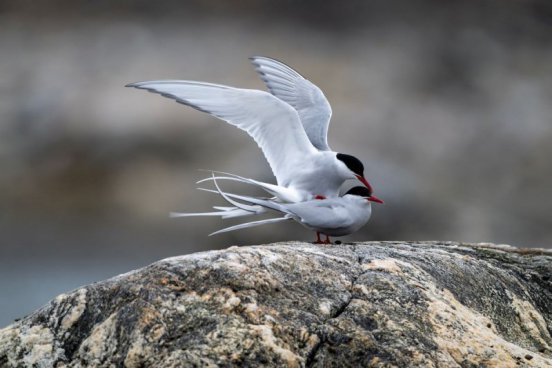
[379, 304]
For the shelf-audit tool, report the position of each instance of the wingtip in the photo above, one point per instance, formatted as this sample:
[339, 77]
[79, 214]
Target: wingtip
[142, 84]
[134, 85]
[254, 57]
[257, 60]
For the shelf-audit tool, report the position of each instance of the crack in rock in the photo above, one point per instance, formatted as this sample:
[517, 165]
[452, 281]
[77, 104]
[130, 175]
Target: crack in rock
[311, 357]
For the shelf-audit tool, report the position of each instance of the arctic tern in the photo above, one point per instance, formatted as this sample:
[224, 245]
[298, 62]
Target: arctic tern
[338, 216]
[290, 125]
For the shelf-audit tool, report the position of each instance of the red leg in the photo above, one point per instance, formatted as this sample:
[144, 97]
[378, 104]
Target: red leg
[327, 241]
[318, 240]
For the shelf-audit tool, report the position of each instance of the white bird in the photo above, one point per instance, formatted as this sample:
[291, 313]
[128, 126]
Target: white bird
[332, 217]
[290, 127]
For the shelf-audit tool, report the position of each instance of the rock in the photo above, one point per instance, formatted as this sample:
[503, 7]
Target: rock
[377, 304]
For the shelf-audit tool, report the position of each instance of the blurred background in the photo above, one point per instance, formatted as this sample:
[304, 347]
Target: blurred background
[448, 104]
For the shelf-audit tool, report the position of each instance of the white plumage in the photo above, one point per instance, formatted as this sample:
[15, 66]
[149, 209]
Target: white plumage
[333, 217]
[290, 126]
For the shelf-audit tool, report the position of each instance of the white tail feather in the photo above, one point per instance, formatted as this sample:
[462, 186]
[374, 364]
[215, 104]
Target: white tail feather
[231, 213]
[283, 193]
[251, 224]
[257, 201]
[185, 214]
[233, 202]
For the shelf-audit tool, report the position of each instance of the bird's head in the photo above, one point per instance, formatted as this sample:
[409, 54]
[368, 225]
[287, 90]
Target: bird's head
[364, 193]
[352, 168]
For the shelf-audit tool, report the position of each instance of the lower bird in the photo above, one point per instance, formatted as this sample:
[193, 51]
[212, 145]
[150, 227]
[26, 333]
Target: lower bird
[337, 216]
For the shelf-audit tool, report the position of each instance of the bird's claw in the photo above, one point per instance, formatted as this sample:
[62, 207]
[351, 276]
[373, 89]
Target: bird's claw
[320, 241]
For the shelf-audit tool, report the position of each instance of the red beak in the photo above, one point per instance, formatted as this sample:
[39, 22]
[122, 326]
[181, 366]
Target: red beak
[367, 185]
[375, 199]
[365, 182]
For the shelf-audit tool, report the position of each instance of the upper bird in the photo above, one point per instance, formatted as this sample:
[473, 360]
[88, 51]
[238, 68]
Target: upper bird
[290, 126]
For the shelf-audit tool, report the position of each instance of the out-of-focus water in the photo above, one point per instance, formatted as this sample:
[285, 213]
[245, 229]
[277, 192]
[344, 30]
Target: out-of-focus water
[448, 105]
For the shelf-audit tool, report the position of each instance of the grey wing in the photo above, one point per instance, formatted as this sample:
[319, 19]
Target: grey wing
[312, 106]
[327, 214]
[272, 123]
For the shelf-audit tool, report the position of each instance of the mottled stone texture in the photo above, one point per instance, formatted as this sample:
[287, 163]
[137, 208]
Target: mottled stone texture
[379, 304]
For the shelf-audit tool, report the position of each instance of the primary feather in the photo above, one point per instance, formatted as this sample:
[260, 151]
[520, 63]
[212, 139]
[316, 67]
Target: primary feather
[306, 98]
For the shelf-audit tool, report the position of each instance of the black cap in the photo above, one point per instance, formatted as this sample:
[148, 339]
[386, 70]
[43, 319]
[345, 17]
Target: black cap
[352, 163]
[360, 191]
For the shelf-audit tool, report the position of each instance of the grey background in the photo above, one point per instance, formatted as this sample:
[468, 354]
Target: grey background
[448, 104]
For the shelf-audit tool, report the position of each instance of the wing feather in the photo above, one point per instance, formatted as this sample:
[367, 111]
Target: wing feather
[328, 213]
[288, 85]
[272, 123]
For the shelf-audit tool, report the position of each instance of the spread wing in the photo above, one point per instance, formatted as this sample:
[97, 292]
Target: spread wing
[312, 106]
[272, 123]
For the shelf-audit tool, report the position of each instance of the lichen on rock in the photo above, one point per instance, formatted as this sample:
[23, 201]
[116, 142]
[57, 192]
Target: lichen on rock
[375, 304]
